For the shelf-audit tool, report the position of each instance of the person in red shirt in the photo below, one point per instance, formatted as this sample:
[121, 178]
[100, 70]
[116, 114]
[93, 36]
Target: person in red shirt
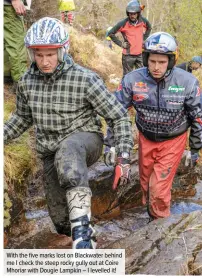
[135, 29]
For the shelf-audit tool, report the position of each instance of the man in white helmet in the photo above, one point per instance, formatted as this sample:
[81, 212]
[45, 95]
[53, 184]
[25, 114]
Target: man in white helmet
[167, 103]
[61, 99]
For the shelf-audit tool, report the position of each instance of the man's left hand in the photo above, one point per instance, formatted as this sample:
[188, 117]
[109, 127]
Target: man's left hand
[122, 172]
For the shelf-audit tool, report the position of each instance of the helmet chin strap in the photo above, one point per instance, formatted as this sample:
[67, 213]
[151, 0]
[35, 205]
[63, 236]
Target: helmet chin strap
[62, 52]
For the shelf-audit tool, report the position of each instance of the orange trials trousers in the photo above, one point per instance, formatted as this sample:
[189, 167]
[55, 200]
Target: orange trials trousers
[158, 163]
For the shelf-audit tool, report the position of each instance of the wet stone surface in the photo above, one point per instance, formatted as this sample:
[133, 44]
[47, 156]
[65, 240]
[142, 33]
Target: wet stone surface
[159, 247]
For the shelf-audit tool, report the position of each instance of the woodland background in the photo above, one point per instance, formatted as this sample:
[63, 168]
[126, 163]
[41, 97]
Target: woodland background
[181, 18]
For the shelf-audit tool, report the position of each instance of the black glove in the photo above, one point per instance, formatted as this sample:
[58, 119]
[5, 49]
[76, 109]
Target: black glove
[125, 45]
[194, 158]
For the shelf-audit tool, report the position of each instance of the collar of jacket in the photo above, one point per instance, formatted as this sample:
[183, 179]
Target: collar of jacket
[61, 68]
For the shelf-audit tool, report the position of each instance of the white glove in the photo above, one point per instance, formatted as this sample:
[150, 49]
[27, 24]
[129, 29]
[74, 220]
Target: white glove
[110, 156]
[188, 159]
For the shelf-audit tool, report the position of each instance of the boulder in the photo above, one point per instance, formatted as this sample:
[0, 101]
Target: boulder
[108, 204]
[169, 246]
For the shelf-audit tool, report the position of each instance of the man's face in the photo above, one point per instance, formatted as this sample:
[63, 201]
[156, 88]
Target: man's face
[195, 65]
[133, 16]
[157, 64]
[46, 59]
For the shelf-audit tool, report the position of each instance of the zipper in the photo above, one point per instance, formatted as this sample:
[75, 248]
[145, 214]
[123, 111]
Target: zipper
[158, 96]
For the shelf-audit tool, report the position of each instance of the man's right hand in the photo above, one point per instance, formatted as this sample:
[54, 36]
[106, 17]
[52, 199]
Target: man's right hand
[19, 7]
[122, 172]
[125, 45]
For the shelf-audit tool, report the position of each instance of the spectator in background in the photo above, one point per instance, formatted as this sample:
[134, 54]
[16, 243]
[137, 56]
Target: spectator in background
[134, 29]
[194, 64]
[15, 56]
[66, 8]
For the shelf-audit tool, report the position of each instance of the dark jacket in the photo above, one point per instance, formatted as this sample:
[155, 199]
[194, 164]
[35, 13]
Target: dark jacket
[132, 33]
[185, 66]
[164, 109]
[66, 102]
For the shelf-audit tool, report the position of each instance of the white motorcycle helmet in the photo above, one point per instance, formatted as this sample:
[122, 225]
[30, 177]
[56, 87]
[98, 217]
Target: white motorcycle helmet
[161, 43]
[47, 32]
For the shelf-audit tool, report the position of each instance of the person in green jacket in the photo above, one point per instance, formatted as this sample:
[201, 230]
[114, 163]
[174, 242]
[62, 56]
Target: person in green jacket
[15, 55]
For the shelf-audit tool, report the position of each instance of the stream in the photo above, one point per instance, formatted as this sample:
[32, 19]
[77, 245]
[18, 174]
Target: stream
[43, 234]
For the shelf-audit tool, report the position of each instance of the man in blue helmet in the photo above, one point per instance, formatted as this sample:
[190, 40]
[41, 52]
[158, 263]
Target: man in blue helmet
[167, 103]
[194, 64]
[134, 29]
[62, 100]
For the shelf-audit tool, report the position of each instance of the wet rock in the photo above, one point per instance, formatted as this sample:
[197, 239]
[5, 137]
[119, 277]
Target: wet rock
[164, 246]
[196, 265]
[5, 240]
[46, 240]
[107, 203]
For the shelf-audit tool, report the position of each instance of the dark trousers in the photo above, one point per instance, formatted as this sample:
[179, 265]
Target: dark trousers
[131, 62]
[68, 168]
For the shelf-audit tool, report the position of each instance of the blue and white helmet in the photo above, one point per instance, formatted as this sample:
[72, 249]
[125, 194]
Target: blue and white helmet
[197, 59]
[161, 43]
[47, 32]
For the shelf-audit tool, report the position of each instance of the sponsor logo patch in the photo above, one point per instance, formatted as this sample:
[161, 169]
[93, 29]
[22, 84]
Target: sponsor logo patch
[174, 102]
[176, 89]
[140, 97]
[140, 87]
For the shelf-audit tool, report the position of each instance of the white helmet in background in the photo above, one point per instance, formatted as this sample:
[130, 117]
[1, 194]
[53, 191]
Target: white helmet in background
[47, 32]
